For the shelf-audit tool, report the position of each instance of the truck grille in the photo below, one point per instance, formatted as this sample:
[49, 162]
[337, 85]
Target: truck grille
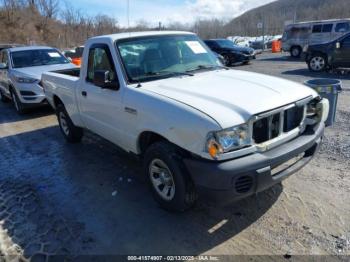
[274, 125]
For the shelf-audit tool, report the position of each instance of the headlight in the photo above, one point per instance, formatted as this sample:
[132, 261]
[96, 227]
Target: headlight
[228, 140]
[317, 111]
[25, 80]
[323, 109]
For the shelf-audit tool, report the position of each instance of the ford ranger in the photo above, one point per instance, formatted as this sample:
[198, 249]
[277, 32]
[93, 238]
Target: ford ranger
[201, 129]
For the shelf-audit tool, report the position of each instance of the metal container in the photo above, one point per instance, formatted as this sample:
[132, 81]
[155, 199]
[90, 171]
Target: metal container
[330, 89]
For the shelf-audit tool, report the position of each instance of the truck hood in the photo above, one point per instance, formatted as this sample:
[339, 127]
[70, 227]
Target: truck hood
[230, 97]
[36, 71]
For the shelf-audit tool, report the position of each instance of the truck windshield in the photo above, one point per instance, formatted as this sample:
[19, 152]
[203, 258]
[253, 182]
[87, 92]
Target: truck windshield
[157, 57]
[37, 57]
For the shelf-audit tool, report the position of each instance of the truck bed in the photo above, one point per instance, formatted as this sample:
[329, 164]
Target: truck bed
[70, 72]
[63, 84]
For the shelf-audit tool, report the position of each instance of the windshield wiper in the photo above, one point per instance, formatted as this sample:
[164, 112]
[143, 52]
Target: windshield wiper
[205, 67]
[167, 74]
[161, 73]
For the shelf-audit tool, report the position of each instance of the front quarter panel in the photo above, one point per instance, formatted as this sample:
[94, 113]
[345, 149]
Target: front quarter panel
[179, 123]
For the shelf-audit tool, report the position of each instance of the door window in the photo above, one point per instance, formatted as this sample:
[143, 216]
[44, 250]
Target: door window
[100, 58]
[342, 27]
[317, 29]
[327, 28]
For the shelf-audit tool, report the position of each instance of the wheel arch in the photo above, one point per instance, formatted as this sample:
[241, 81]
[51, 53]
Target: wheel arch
[147, 138]
[295, 46]
[56, 101]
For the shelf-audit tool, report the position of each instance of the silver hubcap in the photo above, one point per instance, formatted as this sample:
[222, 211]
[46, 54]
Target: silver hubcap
[63, 123]
[162, 179]
[15, 101]
[317, 63]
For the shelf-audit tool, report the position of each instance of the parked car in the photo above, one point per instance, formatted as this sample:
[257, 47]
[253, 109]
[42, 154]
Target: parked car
[328, 55]
[74, 55]
[20, 74]
[242, 41]
[297, 36]
[231, 53]
[4, 46]
[198, 127]
[272, 39]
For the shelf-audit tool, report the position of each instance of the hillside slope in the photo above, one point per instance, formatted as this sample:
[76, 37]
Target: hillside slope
[276, 13]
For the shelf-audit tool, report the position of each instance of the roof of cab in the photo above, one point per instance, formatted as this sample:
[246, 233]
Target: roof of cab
[27, 48]
[115, 37]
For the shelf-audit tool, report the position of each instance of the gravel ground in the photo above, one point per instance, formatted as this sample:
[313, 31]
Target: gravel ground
[90, 198]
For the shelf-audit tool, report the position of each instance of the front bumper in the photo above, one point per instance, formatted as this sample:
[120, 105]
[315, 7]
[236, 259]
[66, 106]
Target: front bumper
[247, 58]
[239, 178]
[31, 94]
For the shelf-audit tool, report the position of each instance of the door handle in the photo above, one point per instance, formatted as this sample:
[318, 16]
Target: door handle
[83, 93]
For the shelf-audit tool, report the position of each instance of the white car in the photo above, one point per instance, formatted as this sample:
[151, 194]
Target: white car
[201, 129]
[20, 74]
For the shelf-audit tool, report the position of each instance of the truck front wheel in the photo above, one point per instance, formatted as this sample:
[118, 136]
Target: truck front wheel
[170, 183]
[72, 133]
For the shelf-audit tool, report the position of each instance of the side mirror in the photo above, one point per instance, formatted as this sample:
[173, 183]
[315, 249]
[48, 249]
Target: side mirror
[102, 78]
[337, 45]
[3, 66]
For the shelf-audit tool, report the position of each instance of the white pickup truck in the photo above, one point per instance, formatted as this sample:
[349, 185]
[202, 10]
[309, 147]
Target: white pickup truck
[200, 128]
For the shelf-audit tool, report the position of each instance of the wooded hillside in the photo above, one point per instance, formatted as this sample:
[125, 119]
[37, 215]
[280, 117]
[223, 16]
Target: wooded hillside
[57, 24]
[276, 13]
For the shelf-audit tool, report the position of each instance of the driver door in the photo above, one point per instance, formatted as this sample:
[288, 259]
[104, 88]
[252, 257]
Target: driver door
[100, 106]
[342, 54]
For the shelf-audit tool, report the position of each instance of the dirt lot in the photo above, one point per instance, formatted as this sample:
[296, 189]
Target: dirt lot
[90, 198]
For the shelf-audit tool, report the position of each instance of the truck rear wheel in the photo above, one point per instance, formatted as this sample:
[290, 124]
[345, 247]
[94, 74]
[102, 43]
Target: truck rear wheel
[169, 181]
[72, 133]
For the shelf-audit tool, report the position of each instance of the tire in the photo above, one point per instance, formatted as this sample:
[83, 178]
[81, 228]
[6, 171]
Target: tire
[317, 63]
[227, 60]
[168, 179]
[3, 98]
[71, 133]
[17, 103]
[295, 51]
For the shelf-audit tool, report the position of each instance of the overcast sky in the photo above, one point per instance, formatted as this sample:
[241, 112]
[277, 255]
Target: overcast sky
[166, 11]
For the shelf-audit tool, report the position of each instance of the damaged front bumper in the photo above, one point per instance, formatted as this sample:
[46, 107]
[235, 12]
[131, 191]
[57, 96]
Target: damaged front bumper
[226, 181]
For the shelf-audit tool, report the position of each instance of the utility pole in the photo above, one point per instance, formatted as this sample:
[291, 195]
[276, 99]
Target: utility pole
[263, 32]
[160, 26]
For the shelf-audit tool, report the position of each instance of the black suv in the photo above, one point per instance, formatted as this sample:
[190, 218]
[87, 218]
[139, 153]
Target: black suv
[329, 55]
[231, 53]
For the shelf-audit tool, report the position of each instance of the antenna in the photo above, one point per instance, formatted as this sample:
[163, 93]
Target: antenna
[128, 13]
